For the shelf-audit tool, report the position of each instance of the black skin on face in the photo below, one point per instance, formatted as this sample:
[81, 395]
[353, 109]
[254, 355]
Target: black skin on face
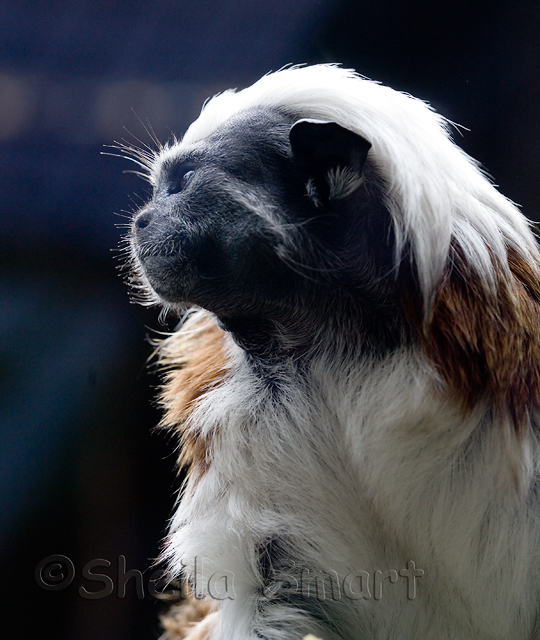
[231, 228]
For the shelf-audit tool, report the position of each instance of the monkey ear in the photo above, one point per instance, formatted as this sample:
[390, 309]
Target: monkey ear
[320, 147]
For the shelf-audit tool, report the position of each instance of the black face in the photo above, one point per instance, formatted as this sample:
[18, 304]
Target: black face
[200, 240]
[248, 223]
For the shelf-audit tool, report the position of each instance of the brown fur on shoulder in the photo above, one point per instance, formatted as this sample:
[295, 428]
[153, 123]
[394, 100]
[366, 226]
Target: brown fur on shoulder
[488, 344]
[196, 360]
[190, 620]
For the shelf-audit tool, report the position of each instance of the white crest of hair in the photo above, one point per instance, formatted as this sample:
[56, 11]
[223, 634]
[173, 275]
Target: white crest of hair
[435, 191]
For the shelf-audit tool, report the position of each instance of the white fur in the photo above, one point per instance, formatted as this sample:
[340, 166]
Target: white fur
[412, 150]
[365, 469]
[364, 465]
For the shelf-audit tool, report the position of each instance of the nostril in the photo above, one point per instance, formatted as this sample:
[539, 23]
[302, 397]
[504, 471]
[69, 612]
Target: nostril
[143, 219]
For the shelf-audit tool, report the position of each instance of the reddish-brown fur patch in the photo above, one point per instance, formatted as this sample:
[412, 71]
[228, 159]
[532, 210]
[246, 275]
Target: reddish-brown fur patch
[197, 361]
[190, 620]
[487, 345]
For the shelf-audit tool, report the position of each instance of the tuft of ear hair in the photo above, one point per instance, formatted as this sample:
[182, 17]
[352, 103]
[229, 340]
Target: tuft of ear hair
[325, 149]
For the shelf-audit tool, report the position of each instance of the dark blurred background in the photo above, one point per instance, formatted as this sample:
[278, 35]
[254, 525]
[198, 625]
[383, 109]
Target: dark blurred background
[82, 474]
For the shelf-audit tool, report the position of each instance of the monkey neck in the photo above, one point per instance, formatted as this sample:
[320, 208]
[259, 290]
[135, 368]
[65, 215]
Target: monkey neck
[349, 330]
